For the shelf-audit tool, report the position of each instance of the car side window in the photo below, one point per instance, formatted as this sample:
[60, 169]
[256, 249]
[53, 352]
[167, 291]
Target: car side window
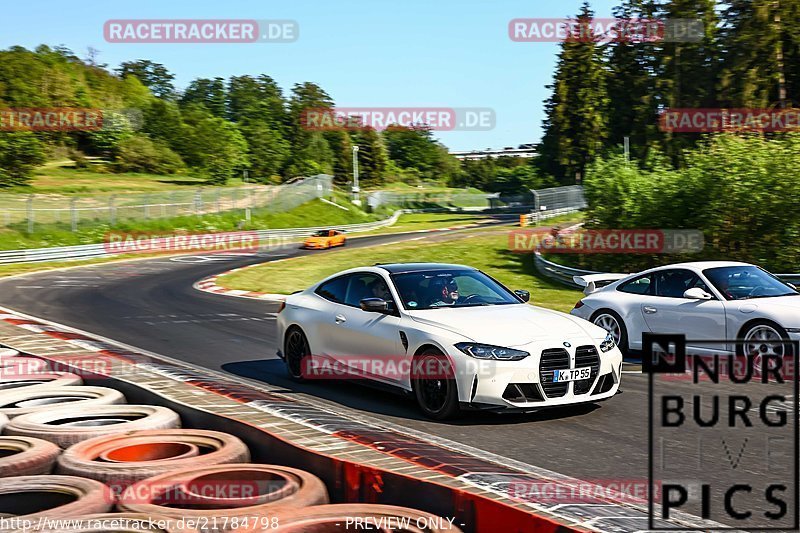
[367, 285]
[641, 285]
[673, 283]
[335, 289]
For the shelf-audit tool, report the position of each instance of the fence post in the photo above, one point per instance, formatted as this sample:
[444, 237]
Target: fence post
[218, 206]
[198, 201]
[29, 209]
[146, 206]
[172, 203]
[73, 215]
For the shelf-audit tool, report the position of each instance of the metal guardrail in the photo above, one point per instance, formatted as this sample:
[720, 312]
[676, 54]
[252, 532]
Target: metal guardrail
[93, 251]
[318, 185]
[564, 274]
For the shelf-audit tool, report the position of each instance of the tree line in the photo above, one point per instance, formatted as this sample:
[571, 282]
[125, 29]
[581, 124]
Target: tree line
[215, 128]
[748, 56]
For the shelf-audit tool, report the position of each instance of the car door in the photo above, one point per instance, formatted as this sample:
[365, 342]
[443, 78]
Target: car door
[371, 341]
[667, 311]
[330, 339]
[628, 304]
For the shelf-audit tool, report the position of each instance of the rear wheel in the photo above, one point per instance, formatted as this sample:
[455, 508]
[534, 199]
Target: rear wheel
[296, 350]
[434, 385]
[613, 323]
[764, 339]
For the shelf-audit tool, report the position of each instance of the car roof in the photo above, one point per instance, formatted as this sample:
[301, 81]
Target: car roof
[402, 268]
[700, 265]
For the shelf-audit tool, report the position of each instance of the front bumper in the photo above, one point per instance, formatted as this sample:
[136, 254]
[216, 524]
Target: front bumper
[527, 385]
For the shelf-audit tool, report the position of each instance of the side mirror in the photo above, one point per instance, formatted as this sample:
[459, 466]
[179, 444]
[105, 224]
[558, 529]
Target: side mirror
[374, 305]
[524, 295]
[696, 293]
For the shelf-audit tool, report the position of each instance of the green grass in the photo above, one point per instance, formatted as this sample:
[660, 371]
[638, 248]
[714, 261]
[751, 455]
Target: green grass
[421, 221]
[486, 251]
[313, 213]
[406, 188]
[66, 180]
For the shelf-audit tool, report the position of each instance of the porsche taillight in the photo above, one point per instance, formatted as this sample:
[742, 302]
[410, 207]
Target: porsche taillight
[579, 304]
[281, 306]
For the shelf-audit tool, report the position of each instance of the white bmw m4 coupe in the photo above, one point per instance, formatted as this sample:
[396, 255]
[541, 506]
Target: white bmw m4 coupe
[708, 301]
[450, 335]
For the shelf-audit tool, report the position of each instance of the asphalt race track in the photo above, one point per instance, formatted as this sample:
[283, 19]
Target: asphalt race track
[151, 304]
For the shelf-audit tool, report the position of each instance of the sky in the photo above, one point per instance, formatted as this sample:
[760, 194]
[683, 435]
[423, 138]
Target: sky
[409, 53]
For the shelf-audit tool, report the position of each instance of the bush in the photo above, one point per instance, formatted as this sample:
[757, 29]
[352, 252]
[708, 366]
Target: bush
[739, 190]
[20, 153]
[140, 154]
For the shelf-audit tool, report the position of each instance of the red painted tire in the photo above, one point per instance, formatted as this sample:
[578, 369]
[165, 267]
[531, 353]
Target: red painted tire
[66, 427]
[120, 523]
[52, 497]
[331, 518]
[17, 402]
[233, 493]
[26, 380]
[123, 459]
[26, 456]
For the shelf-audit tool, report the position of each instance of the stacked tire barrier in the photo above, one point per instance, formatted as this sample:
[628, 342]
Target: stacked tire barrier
[79, 458]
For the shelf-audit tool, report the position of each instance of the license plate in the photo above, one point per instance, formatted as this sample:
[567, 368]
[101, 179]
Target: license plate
[572, 374]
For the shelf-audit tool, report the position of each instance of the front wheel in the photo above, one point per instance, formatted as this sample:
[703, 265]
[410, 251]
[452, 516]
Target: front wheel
[435, 386]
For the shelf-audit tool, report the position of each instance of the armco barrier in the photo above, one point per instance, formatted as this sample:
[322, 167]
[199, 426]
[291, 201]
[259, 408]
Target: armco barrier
[564, 274]
[92, 251]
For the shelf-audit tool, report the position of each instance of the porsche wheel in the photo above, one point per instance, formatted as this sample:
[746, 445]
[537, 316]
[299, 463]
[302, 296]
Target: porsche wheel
[612, 323]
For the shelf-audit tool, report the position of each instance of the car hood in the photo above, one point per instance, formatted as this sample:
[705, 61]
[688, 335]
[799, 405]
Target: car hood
[509, 325]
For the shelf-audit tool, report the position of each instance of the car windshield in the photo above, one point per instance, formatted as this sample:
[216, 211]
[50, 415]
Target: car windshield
[436, 289]
[321, 233]
[746, 282]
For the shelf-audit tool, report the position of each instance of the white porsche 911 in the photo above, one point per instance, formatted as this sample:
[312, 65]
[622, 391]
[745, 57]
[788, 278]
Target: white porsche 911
[448, 334]
[706, 300]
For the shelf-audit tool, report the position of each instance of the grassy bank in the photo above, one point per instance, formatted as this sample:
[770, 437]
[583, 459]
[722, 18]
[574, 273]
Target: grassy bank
[313, 213]
[488, 252]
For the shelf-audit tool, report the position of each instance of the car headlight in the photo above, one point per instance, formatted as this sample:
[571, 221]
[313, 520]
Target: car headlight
[487, 351]
[607, 344]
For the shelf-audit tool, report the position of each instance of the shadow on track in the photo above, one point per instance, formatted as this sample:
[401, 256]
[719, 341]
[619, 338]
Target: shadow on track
[372, 400]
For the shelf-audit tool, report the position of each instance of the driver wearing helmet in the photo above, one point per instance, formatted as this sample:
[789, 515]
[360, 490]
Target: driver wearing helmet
[445, 292]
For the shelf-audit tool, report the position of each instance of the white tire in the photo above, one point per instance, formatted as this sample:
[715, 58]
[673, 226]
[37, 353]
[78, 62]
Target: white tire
[23, 401]
[8, 352]
[66, 427]
[31, 498]
[38, 380]
[26, 456]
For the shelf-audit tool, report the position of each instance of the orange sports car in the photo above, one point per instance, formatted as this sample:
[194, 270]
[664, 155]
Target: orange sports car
[327, 238]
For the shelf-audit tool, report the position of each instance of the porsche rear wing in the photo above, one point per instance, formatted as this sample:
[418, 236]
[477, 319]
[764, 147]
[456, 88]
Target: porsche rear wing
[592, 282]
